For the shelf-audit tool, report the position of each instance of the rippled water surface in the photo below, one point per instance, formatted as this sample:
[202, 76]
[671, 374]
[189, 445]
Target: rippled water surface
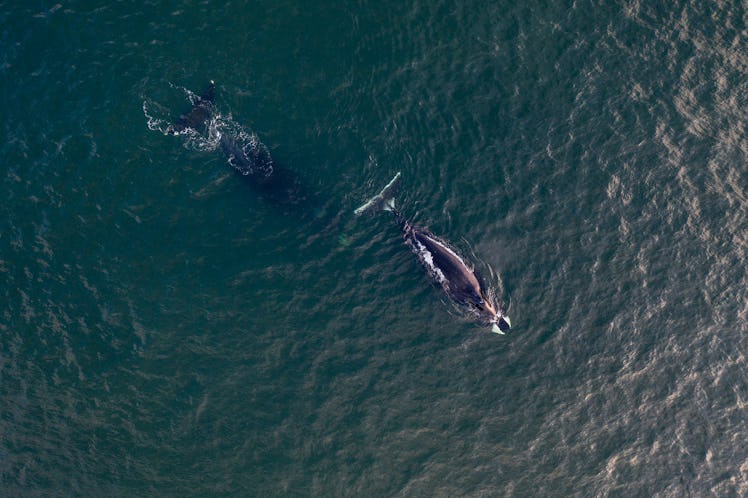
[167, 329]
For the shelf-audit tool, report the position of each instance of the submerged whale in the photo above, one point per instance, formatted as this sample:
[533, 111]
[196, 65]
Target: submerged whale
[455, 276]
[243, 150]
[202, 110]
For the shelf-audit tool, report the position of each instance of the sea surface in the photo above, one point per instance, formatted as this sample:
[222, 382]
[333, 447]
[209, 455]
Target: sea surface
[167, 330]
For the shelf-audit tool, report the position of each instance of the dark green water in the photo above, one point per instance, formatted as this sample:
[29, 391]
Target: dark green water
[166, 331]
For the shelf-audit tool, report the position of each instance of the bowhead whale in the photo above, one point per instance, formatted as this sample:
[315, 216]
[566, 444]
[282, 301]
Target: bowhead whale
[197, 117]
[243, 151]
[455, 276]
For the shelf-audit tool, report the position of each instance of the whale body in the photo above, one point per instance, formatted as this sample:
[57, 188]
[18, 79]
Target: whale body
[457, 278]
[243, 150]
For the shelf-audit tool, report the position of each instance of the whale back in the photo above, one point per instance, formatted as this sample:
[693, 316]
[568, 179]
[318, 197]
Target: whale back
[458, 279]
[201, 112]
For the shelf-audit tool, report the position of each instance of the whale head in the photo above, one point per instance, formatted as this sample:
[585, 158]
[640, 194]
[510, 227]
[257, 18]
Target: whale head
[500, 324]
[491, 313]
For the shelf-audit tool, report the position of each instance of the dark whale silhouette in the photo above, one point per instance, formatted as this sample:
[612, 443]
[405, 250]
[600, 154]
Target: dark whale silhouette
[202, 110]
[457, 278]
[244, 152]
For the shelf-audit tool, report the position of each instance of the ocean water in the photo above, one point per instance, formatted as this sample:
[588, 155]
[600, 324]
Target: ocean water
[166, 330]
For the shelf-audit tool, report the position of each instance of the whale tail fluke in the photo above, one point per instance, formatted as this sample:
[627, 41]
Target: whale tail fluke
[384, 200]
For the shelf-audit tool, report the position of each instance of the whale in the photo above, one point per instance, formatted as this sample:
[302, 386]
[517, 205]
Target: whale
[246, 154]
[447, 268]
[202, 110]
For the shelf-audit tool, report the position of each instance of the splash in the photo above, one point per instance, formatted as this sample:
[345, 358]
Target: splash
[245, 152]
[158, 119]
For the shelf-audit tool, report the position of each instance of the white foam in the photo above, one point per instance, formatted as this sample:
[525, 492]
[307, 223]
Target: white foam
[450, 251]
[428, 260]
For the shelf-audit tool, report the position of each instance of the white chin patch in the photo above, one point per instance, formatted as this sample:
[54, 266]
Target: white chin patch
[497, 330]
